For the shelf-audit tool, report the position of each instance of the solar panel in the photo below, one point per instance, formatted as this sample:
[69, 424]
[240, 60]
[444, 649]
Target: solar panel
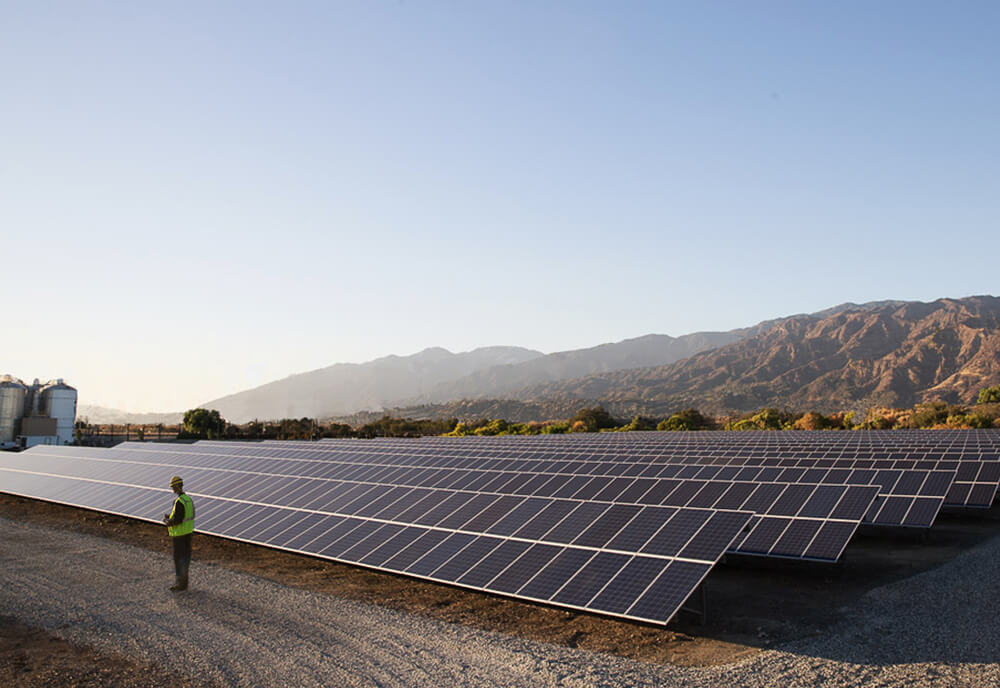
[418, 497]
[973, 487]
[541, 549]
[948, 445]
[924, 489]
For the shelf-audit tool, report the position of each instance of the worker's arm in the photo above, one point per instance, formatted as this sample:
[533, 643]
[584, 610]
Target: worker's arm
[178, 515]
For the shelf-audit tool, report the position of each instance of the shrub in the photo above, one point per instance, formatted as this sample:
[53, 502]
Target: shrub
[688, 419]
[765, 419]
[989, 395]
[593, 419]
[932, 413]
[812, 421]
[639, 423]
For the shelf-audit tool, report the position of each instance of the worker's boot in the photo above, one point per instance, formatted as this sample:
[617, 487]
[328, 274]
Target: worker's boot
[182, 580]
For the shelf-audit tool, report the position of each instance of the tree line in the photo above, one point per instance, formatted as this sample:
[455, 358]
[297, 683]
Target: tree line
[209, 424]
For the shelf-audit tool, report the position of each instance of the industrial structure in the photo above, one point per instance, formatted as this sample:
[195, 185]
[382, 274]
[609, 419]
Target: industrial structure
[39, 413]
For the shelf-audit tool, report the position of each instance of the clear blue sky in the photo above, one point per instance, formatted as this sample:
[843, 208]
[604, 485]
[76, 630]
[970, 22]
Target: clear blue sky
[196, 198]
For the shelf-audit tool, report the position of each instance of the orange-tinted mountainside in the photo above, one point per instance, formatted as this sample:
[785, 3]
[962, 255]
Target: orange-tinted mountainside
[893, 355]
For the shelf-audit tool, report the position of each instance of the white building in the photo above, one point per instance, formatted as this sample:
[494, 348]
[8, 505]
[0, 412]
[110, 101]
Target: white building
[40, 413]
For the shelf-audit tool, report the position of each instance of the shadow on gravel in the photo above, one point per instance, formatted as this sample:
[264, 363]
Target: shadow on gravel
[893, 599]
[947, 615]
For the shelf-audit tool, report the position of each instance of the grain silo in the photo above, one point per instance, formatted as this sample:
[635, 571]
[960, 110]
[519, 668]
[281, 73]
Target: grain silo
[12, 393]
[58, 401]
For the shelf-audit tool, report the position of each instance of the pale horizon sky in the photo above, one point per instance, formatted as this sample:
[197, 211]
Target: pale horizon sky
[198, 198]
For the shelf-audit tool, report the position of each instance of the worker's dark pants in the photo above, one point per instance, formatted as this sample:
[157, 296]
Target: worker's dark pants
[182, 555]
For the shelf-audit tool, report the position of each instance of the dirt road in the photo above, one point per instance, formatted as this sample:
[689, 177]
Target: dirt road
[232, 628]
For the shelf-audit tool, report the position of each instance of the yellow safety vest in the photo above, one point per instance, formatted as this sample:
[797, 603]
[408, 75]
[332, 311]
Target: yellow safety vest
[186, 526]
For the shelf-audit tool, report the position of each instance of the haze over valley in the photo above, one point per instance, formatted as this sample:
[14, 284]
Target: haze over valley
[883, 353]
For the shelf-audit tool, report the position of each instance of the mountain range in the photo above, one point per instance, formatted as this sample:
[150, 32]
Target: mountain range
[893, 354]
[848, 357]
[435, 376]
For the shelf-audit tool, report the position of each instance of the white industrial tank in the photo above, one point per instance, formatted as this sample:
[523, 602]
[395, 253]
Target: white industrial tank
[58, 400]
[12, 393]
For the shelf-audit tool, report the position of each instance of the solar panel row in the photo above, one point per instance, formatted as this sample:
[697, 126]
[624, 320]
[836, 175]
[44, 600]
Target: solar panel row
[836, 509]
[975, 484]
[958, 440]
[916, 494]
[714, 445]
[530, 551]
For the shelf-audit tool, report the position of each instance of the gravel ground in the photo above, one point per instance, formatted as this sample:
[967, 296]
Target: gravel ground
[938, 628]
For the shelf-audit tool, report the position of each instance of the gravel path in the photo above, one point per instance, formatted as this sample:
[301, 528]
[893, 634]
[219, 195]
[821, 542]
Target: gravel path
[939, 628]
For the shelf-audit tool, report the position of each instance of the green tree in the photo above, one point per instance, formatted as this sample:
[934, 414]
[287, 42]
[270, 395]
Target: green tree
[989, 395]
[203, 423]
[593, 419]
[930, 414]
[812, 421]
[688, 419]
[80, 428]
[765, 419]
[639, 423]
[494, 427]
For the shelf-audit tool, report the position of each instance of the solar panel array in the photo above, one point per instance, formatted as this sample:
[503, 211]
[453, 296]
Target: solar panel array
[639, 562]
[907, 497]
[831, 513]
[973, 455]
[626, 524]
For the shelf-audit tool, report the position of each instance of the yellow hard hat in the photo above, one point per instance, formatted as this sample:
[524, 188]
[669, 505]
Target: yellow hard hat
[176, 480]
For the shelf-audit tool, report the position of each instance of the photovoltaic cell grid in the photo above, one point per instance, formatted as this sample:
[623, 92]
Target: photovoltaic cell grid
[910, 497]
[834, 511]
[910, 443]
[980, 444]
[770, 534]
[975, 486]
[837, 509]
[638, 562]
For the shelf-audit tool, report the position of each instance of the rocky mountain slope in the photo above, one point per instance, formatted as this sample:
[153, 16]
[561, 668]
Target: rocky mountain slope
[650, 350]
[891, 354]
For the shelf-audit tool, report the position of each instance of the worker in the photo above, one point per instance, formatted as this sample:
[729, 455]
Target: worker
[180, 527]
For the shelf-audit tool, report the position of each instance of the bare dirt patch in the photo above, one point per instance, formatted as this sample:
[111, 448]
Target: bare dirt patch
[752, 604]
[32, 658]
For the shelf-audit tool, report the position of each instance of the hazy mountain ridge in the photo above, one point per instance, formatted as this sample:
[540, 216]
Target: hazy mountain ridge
[345, 388]
[649, 350]
[798, 361]
[438, 376]
[889, 353]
